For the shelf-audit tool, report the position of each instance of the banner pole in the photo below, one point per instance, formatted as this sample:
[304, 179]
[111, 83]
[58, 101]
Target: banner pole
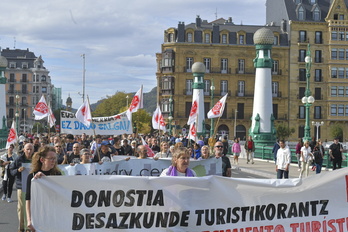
[96, 146]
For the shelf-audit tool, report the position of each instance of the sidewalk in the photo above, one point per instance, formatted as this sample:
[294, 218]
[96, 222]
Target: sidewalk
[266, 168]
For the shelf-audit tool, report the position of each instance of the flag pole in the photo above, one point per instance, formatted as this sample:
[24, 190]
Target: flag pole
[96, 146]
[217, 123]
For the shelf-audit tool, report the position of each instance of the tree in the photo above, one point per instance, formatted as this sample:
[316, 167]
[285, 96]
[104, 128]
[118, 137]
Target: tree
[142, 121]
[283, 131]
[111, 105]
[336, 131]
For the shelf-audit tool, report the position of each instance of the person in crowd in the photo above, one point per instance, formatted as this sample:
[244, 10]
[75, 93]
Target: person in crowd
[117, 145]
[306, 159]
[205, 153]
[44, 163]
[134, 148]
[142, 152]
[16, 170]
[85, 156]
[7, 179]
[299, 145]
[180, 164]
[165, 152]
[275, 150]
[154, 146]
[36, 143]
[60, 152]
[171, 149]
[85, 143]
[178, 144]
[104, 155]
[335, 152]
[74, 157]
[127, 148]
[226, 164]
[249, 149]
[196, 151]
[225, 143]
[70, 141]
[96, 144]
[318, 156]
[283, 160]
[236, 150]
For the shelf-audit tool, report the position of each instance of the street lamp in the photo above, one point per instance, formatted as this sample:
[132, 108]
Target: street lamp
[17, 114]
[235, 123]
[308, 100]
[24, 110]
[317, 124]
[127, 99]
[170, 118]
[212, 88]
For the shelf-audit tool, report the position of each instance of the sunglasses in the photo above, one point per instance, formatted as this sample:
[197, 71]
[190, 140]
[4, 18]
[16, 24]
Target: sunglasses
[219, 146]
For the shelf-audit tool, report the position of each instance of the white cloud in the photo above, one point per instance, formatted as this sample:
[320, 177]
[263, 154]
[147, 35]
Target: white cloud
[120, 38]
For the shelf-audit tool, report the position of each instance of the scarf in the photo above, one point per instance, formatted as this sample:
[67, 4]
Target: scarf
[172, 171]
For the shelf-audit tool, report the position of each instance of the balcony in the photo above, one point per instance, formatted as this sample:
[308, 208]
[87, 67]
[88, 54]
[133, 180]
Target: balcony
[277, 94]
[245, 71]
[244, 94]
[303, 41]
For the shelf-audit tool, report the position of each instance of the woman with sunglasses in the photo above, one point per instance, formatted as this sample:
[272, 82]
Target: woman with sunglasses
[44, 163]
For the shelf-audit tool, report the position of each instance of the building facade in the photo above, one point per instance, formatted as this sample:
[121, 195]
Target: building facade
[27, 81]
[227, 51]
[324, 25]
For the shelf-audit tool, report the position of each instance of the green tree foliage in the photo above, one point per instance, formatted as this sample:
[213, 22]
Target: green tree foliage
[112, 105]
[336, 131]
[142, 121]
[283, 131]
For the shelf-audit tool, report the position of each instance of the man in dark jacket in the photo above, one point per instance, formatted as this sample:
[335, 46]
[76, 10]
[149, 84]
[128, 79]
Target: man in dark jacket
[335, 151]
[16, 169]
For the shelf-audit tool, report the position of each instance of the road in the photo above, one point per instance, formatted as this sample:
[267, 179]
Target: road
[8, 212]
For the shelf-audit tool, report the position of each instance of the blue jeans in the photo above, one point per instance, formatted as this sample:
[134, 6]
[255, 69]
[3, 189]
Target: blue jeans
[280, 174]
[318, 166]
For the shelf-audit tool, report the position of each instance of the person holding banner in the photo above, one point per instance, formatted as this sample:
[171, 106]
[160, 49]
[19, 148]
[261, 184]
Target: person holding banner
[180, 164]
[74, 157]
[226, 164]
[16, 170]
[205, 153]
[165, 152]
[104, 154]
[44, 163]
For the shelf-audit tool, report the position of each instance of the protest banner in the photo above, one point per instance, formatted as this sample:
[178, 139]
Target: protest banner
[111, 125]
[318, 203]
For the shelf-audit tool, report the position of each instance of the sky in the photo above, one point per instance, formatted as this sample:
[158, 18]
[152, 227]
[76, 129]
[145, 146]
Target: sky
[120, 38]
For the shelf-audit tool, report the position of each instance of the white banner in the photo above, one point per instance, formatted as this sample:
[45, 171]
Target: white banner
[113, 125]
[103, 203]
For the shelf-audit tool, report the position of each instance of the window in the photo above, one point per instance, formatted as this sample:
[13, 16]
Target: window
[317, 56]
[43, 78]
[11, 100]
[165, 105]
[341, 36]
[341, 54]
[317, 75]
[341, 73]
[333, 91]
[341, 17]
[240, 110]
[317, 112]
[24, 88]
[24, 101]
[206, 38]
[275, 111]
[301, 13]
[275, 89]
[189, 63]
[224, 65]
[24, 65]
[171, 37]
[24, 77]
[189, 87]
[301, 112]
[301, 131]
[341, 91]
[340, 110]
[302, 74]
[13, 65]
[316, 14]
[241, 88]
[333, 110]
[11, 89]
[275, 67]
[11, 113]
[189, 37]
[313, 2]
[12, 77]
[241, 39]
[318, 37]
[302, 55]
[206, 88]
[241, 65]
[346, 54]
[333, 72]
[223, 88]
[301, 92]
[334, 35]
[275, 40]
[166, 83]
[334, 54]
[302, 36]
[207, 62]
[317, 94]
[224, 39]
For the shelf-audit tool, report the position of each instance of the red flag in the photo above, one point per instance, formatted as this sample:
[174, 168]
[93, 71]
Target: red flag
[51, 118]
[193, 132]
[83, 114]
[158, 122]
[194, 109]
[137, 103]
[218, 108]
[12, 135]
[41, 109]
